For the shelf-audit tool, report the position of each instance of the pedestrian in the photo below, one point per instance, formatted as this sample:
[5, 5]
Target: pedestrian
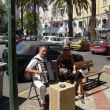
[37, 68]
[25, 33]
[17, 39]
[68, 71]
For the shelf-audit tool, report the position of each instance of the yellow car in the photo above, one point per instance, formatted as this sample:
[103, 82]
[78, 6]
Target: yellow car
[79, 44]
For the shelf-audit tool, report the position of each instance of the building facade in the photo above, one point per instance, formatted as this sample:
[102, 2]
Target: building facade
[57, 22]
[53, 23]
[83, 20]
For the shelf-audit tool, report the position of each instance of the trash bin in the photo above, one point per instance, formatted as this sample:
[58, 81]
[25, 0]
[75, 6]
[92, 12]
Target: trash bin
[2, 69]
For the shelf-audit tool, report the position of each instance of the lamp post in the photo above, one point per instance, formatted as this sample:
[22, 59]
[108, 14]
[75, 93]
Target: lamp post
[13, 90]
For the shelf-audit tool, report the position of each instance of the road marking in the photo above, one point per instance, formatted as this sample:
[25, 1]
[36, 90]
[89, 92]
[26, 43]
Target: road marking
[23, 92]
[19, 94]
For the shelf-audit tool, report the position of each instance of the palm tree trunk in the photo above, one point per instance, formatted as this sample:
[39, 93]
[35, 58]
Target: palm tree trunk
[21, 17]
[35, 17]
[70, 15]
[93, 19]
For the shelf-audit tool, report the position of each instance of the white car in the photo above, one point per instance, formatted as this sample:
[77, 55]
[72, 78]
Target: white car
[67, 40]
[3, 39]
[53, 39]
[31, 38]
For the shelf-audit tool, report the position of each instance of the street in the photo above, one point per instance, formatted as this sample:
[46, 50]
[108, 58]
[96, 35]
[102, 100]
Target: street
[99, 59]
[99, 62]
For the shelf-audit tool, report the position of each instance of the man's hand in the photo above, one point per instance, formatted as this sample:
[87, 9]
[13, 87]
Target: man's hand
[63, 70]
[74, 72]
[38, 72]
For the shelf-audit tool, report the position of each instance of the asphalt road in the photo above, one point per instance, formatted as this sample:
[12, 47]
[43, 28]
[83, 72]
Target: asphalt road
[99, 62]
[99, 59]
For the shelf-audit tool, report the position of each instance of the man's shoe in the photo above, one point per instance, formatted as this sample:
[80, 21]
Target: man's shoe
[43, 106]
[82, 99]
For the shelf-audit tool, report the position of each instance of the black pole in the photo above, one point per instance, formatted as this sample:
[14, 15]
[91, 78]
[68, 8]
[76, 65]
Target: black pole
[13, 90]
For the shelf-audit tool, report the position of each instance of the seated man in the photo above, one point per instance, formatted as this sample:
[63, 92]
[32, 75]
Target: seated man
[37, 68]
[67, 70]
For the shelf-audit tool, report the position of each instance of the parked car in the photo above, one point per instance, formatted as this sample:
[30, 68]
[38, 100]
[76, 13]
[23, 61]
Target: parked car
[53, 39]
[3, 39]
[26, 50]
[100, 46]
[79, 44]
[67, 40]
[31, 38]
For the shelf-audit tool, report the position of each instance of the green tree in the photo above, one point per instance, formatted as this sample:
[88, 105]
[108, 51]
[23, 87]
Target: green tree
[79, 4]
[29, 21]
[30, 5]
[3, 12]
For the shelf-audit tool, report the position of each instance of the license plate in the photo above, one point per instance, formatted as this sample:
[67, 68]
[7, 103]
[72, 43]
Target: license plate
[96, 46]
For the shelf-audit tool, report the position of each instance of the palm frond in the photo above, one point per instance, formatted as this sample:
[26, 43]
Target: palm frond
[58, 4]
[2, 9]
[26, 4]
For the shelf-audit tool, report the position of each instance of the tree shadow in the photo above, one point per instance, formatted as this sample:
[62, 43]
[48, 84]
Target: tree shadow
[108, 58]
[47, 104]
[4, 102]
[92, 83]
[21, 100]
[78, 108]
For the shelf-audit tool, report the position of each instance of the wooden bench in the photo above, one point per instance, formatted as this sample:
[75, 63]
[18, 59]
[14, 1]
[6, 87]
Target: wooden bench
[86, 65]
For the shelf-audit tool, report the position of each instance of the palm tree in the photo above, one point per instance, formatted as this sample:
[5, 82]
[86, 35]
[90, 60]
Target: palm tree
[78, 5]
[3, 12]
[2, 9]
[27, 5]
[93, 19]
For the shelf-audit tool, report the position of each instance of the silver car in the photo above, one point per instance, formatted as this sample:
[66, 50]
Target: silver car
[53, 39]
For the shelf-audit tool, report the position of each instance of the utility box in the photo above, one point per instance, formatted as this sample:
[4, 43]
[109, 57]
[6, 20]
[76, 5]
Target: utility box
[2, 69]
[62, 98]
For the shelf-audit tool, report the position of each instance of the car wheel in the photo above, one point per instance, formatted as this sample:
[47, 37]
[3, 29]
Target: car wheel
[68, 45]
[92, 52]
[108, 52]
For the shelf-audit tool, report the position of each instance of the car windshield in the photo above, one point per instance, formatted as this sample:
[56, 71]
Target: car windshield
[98, 42]
[55, 47]
[20, 47]
[77, 40]
[56, 39]
[70, 39]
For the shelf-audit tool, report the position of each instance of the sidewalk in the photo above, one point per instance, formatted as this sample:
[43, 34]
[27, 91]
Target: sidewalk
[98, 97]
